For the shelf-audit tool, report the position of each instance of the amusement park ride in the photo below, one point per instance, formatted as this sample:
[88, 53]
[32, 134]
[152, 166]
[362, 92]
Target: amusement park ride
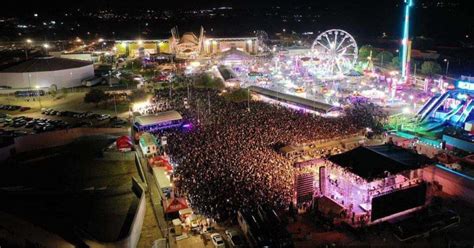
[451, 108]
[336, 51]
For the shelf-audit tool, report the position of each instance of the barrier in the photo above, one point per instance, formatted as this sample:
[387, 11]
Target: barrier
[132, 225]
[452, 182]
[59, 137]
[138, 164]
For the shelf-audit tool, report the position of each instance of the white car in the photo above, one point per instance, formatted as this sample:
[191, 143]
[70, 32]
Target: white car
[234, 238]
[103, 117]
[217, 240]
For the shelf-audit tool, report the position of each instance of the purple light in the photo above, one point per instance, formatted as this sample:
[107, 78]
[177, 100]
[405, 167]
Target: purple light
[189, 125]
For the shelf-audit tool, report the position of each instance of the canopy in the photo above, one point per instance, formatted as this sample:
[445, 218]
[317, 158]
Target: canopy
[124, 143]
[174, 205]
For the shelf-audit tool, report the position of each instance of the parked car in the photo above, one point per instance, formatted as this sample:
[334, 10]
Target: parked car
[234, 238]
[45, 111]
[30, 124]
[23, 109]
[85, 124]
[18, 123]
[217, 240]
[48, 128]
[119, 122]
[103, 117]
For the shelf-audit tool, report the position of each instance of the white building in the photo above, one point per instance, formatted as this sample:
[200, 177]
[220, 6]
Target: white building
[45, 72]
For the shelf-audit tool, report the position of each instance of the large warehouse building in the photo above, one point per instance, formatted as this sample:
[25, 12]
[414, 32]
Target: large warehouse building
[45, 72]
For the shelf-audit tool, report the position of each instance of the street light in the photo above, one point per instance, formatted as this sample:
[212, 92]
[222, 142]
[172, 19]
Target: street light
[447, 65]
[28, 43]
[37, 87]
[46, 46]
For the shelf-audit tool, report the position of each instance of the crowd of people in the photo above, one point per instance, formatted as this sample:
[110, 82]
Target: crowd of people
[229, 160]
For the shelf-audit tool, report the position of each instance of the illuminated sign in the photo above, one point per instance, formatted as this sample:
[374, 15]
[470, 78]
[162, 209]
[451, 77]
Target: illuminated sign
[465, 85]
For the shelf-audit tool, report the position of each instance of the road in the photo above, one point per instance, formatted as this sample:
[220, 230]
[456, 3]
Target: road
[154, 196]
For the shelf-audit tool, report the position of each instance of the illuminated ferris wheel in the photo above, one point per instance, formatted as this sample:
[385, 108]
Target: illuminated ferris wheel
[336, 50]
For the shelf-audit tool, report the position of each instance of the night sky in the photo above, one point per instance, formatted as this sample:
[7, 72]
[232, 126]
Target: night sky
[61, 4]
[366, 18]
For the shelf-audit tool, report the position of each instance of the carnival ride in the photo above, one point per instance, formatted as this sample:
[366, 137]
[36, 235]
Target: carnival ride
[452, 108]
[336, 50]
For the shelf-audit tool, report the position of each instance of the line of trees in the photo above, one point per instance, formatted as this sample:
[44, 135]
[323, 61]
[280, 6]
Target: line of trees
[386, 58]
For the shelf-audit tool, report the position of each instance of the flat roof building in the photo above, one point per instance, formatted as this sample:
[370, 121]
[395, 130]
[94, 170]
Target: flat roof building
[376, 162]
[45, 72]
[374, 184]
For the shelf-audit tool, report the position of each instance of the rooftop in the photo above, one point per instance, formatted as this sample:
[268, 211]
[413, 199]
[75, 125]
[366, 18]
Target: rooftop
[372, 162]
[235, 54]
[44, 64]
[307, 103]
[70, 192]
[147, 120]
[147, 139]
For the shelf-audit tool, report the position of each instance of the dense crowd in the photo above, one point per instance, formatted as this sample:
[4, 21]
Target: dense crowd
[230, 159]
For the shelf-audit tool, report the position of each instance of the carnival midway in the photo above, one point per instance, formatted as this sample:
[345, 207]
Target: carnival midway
[286, 130]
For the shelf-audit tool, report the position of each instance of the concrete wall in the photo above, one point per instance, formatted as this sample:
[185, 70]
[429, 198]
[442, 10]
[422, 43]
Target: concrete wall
[452, 182]
[44, 79]
[59, 138]
[6, 152]
[78, 56]
[117, 155]
[135, 229]
[55, 138]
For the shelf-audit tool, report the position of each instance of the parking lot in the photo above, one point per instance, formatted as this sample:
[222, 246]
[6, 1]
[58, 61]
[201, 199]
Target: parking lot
[14, 122]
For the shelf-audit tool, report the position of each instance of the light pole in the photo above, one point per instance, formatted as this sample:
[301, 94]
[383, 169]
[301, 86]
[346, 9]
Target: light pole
[39, 95]
[115, 106]
[46, 46]
[447, 65]
[28, 43]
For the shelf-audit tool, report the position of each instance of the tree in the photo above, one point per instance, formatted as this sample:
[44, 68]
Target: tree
[396, 62]
[64, 92]
[368, 115]
[53, 93]
[430, 68]
[206, 81]
[239, 95]
[95, 96]
[138, 96]
[384, 57]
[134, 65]
[364, 52]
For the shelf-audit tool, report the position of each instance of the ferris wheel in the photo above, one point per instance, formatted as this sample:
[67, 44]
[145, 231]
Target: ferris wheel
[336, 50]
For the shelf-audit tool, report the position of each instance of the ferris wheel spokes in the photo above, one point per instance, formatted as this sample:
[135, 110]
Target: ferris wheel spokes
[336, 52]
